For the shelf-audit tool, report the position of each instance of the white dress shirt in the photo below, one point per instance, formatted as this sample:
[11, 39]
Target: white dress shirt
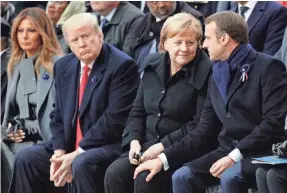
[109, 16]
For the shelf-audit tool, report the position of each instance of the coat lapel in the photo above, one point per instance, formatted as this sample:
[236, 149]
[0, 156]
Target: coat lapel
[236, 81]
[11, 90]
[95, 77]
[256, 15]
[234, 85]
[45, 81]
[117, 17]
[199, 69]
[70, 81]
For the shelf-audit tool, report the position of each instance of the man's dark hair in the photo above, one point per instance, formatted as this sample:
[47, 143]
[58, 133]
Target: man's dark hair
[231, 23]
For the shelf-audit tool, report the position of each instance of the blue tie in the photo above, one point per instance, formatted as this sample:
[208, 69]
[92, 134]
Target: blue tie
[243, 9]
[104, 23]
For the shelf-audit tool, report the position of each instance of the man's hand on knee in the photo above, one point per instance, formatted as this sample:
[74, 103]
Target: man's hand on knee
[221, 165]
[55, 166]
[63, 174]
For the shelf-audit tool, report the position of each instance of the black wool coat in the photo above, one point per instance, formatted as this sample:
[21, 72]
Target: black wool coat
[165, 103]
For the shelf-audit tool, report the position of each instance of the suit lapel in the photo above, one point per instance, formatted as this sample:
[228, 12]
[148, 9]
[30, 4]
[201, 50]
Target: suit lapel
[256, 15]
[95, 78]
[117, 16]
[45, 81]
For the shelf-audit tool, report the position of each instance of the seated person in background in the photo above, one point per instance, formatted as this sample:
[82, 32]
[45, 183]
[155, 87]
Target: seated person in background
[30, 90]
[116, 19]
[273, 179]
[245, 107]
[266, 24]
[95, 88]
[171, 95]
[144, 37]
[59, 12]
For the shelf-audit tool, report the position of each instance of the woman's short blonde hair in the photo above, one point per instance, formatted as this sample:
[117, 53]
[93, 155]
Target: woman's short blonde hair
[50, 46]
[178, 23]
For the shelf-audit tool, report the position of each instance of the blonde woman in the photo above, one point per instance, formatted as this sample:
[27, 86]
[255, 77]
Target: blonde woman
[30, 91]
[171, 94]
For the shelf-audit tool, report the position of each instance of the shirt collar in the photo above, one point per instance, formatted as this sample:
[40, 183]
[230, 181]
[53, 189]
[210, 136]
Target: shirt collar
[110, 15]
[3, 51]
[249, 4]
[90, 65]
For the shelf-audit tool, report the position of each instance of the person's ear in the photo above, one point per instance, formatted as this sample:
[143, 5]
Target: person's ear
[225, 38]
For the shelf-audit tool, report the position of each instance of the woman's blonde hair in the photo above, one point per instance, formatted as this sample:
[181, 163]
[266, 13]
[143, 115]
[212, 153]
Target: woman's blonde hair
[50, 45]
[177, 24]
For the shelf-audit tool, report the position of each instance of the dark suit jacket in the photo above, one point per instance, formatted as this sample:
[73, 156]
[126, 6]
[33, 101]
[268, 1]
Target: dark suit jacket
[120, 25]
[4, 80]
[106, 103]
[266, 26]
[253, 118]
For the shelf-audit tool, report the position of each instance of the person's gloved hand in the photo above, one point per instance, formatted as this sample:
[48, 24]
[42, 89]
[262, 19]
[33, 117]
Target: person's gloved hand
[280, 149]
[17, 132]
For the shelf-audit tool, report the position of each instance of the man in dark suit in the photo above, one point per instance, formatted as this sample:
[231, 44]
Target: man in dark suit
[5, 36]
[95, 88]
[116, 19]
[245, 107]
[266, 23]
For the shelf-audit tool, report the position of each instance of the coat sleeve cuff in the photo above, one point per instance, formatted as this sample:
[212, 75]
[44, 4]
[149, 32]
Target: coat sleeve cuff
[165, 142]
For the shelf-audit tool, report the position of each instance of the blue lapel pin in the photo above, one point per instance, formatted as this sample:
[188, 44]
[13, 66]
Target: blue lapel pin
[94, 79]
[45, 76]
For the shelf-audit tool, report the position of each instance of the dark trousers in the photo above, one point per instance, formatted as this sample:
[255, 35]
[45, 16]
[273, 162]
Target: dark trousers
[195, 177]
[119, 179]
[272, 179]
[32, 170]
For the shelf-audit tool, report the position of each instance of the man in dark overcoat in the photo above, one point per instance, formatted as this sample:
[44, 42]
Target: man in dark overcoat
[245, 109]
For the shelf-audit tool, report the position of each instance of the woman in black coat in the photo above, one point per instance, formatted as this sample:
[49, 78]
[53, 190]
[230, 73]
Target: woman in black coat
[171, 94]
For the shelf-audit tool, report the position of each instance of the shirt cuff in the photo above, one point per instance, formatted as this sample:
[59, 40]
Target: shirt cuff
[235, 155]
[80, 150]
[163, 159]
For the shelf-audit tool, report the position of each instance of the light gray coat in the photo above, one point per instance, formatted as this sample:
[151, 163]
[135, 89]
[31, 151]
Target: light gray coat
[45, 100]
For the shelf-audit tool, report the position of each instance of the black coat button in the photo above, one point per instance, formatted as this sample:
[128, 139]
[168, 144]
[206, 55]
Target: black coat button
[159, 115]
[163, 92]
